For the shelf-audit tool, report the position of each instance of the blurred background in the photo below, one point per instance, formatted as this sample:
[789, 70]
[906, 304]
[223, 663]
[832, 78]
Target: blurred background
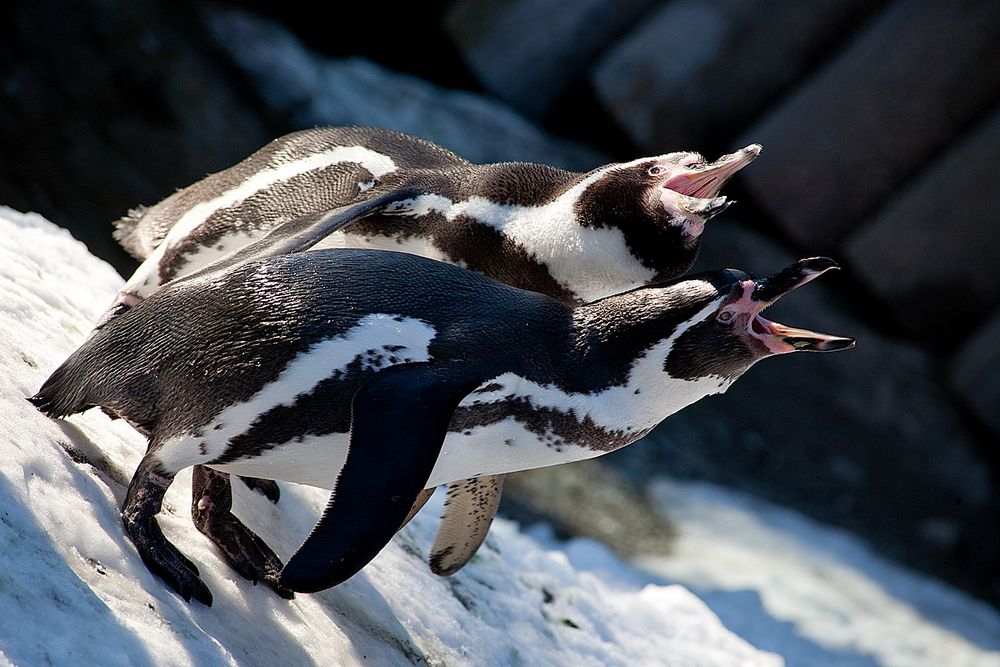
[880, 121]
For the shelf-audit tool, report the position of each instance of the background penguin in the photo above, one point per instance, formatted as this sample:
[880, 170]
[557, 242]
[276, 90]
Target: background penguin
[383, 374]
[572, 236]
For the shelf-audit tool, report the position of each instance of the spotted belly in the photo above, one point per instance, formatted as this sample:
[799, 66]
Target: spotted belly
[501, 447]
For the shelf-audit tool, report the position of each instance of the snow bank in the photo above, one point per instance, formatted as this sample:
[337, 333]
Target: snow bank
[73, 590]
[814, 594]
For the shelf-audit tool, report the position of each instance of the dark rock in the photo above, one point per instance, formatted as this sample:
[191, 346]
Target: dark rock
[529, 52]
[975, 374]
[880, 112]
[107, 105]
[867, 439]
[694, 73]
[589, 499]
[311, 89]
[931, 254]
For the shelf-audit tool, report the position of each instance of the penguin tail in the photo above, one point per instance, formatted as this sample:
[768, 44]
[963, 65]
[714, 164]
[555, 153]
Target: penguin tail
[66, 392]
[127, 232]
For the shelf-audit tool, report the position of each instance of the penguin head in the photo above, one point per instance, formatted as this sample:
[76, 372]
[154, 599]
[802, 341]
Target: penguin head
[661, 203]
[686, 186]
[729, 334]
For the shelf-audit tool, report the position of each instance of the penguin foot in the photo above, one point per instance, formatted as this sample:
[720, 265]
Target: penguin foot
[247, 553]
[165, 561]
[268, 487]
[142, 502]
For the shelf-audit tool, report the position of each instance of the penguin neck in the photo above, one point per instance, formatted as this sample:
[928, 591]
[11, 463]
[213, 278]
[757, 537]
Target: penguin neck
[590, 260]
[629, 337]
[519, 183]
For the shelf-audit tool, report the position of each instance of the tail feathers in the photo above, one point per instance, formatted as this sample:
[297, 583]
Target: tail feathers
[61, 395]
[127, 232]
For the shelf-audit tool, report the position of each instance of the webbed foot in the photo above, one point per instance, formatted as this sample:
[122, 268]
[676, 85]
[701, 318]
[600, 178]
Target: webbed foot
[166, 561]
[143, 502]
[211, 506]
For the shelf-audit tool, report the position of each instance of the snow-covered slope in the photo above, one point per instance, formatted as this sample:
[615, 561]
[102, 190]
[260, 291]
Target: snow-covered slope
[814, 594]
[73, 590]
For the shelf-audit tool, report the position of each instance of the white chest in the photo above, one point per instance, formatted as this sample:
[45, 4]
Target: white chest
[503, 447]
[589, 262]
[533, 434]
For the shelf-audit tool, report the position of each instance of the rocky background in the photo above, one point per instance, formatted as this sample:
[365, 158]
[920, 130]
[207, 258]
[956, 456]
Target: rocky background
[880, 122]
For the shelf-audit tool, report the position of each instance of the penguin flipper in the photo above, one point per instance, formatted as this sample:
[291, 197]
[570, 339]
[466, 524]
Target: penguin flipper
[421, 500]
[468, 513]
[300, 234]
[399, 421]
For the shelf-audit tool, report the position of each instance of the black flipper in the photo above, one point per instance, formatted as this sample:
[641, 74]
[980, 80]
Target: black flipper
[399, 421]
[302, 233]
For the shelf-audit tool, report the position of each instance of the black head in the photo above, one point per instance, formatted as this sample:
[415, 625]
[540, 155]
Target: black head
[728, 335]
[661, 203]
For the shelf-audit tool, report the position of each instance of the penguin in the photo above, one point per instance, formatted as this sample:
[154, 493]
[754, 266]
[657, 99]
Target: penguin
[381, 374]
[572, 236]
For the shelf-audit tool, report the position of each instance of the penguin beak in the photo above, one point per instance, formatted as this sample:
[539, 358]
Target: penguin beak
[706, 181]
[779, 338]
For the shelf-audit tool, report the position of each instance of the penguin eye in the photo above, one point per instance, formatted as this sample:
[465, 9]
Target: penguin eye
[725, 316]
[655, 170]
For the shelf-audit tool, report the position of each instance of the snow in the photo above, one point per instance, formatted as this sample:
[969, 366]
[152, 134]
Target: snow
[73, 590]
[816, 595]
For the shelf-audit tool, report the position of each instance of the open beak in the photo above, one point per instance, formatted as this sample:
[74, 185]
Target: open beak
[778, 337]
[706, 181]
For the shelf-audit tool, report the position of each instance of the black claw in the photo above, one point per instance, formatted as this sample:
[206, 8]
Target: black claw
[202, 594]
[165, 561]
[268, 487]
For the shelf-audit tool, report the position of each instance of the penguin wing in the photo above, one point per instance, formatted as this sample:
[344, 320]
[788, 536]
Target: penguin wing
[468, 513]
[302, 233]
[398, 424]
[422, 499]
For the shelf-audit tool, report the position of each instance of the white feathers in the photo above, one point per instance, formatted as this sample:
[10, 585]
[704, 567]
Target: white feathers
[415, 245]
[648, 396]
[146, 279]
[300, 377]
[591, 262]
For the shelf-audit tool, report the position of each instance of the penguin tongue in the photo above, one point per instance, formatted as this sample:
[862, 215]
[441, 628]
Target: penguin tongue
[705, 208]
[707, 181]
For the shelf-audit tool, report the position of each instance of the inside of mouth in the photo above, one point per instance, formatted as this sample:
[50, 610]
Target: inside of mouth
[706, 187]
[760, 326]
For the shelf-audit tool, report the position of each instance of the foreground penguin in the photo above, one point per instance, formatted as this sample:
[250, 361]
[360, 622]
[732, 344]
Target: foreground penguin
[572, 236]
[381, 374]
